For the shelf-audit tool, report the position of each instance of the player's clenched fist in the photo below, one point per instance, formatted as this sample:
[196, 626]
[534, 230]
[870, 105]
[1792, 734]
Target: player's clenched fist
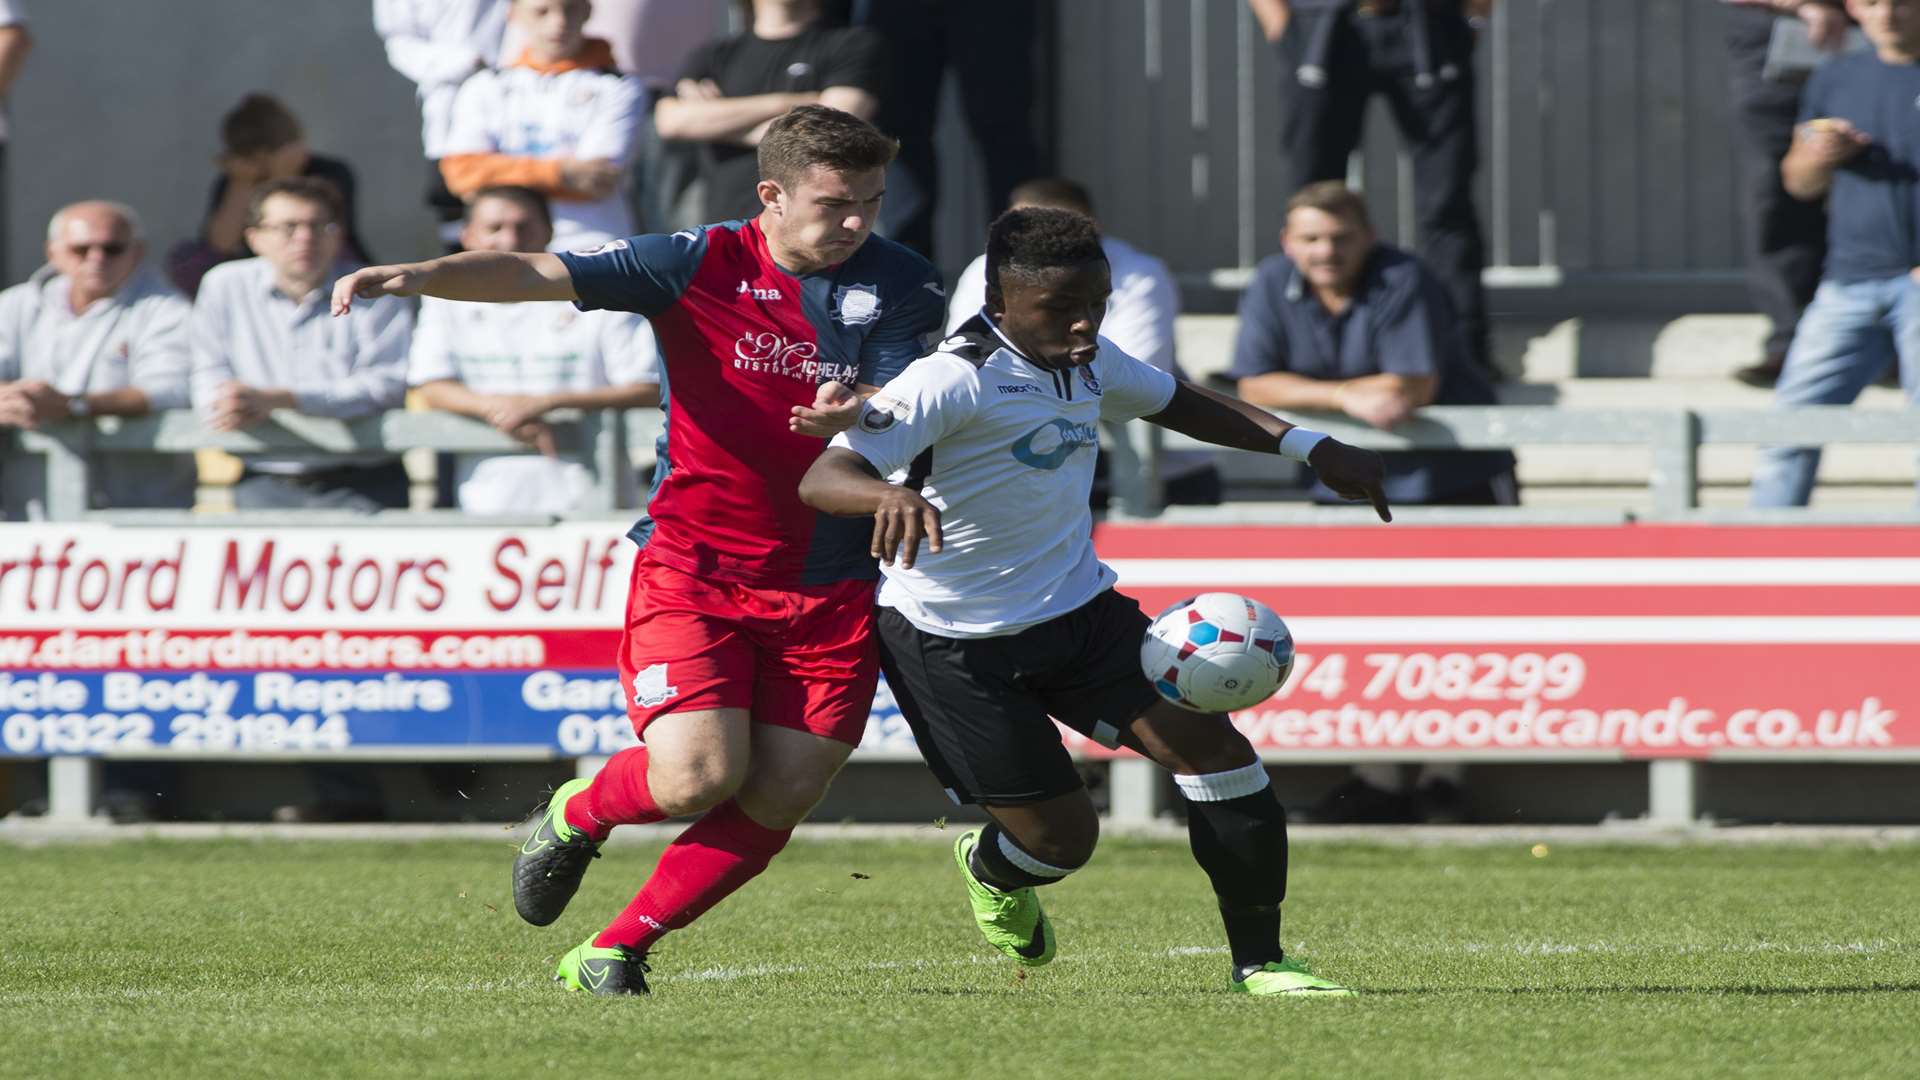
[900, 522]
[369, 282]
[1352, 472]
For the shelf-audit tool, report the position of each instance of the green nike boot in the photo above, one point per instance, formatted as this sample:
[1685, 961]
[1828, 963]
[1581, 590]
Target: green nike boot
[618, 970]
[1012, 921]
[548, 870]
[1285, 977]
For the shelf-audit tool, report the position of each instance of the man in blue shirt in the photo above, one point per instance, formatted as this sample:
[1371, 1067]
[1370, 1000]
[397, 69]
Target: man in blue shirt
[1858, 147]
[1341, 323]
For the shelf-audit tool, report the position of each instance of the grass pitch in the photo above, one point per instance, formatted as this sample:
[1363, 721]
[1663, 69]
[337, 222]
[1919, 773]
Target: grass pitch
[857, 958]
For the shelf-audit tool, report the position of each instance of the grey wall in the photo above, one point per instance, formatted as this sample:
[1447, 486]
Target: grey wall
[122, 99]
[1604, 129]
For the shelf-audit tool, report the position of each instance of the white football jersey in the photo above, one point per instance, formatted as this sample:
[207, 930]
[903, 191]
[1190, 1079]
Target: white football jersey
[1004, 448]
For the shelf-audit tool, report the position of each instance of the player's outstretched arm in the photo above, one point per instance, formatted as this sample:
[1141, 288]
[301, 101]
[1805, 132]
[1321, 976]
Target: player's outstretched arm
[496, 276]
[1351, 471]
[844, 484]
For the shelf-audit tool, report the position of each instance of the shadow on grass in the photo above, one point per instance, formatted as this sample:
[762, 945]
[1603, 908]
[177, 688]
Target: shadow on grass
[1749, 991]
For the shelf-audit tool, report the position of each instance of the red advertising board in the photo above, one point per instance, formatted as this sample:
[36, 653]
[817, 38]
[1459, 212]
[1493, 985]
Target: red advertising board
[1507, 642]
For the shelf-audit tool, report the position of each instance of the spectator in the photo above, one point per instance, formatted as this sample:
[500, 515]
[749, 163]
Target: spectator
[1341, 323]
[733, 87]
[1139, 320]
[263, 143]
[263, 340]
[1858, 147]
[987, 45]
[1334, 56]
[438, 44]
[15, 42]
[512, 364]
[560, 120]
[1786, 237]
[95, 332]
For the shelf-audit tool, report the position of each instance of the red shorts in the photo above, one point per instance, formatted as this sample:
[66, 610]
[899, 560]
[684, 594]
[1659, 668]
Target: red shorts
[802, 658]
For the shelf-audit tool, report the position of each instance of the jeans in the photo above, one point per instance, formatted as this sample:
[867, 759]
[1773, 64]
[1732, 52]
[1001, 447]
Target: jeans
[1845, 338]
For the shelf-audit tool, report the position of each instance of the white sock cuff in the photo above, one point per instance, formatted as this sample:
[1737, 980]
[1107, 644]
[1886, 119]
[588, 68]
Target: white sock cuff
[1221, 786]
[1026, 862]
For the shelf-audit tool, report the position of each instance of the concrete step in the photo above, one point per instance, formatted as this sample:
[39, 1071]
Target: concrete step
[1690, 346]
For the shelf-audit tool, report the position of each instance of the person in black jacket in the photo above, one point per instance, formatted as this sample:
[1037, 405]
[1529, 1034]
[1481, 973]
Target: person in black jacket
[262, 141]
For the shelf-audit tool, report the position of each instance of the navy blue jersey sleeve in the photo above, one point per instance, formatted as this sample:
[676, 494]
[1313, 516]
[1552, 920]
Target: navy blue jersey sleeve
[905, 328]
[1261, 347]
[641, 274]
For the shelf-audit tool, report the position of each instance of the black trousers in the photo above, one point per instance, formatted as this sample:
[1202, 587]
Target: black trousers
[1786, 239]
[1322, 127]
[985, 43]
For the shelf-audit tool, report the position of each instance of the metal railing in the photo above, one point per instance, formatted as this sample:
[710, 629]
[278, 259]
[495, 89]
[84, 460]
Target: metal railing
[598, 439]
[1673, 438]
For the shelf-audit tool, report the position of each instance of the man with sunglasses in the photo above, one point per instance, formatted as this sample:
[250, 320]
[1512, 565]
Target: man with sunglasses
[95, 332]
[263, 341]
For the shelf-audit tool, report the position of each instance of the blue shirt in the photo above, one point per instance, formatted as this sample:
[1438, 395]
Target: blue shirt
[1400, 323]
[1871, 207]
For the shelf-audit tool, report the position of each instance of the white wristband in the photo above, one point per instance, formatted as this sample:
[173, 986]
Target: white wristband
[1298, 442]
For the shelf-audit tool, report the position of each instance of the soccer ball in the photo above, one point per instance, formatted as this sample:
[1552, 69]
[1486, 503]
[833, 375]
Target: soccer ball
[1217, 652]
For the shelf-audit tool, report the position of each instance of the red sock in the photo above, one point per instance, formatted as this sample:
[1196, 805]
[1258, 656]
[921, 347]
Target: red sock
[722, 851]
[618, 796]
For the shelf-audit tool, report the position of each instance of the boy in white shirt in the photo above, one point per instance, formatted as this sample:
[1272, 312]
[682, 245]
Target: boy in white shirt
[511, 364]
[559, 119]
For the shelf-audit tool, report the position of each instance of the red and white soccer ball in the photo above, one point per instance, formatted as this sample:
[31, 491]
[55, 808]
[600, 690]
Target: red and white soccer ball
[1217, 652]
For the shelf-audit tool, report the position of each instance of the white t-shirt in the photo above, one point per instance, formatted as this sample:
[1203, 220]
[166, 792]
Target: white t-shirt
[1011, 462]
[574, 114]
[532, 348]
[437, 44]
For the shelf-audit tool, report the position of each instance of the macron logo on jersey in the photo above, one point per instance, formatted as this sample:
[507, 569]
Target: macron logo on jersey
[758, 294]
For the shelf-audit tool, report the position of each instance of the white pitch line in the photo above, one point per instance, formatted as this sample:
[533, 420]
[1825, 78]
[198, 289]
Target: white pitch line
[1467, 948]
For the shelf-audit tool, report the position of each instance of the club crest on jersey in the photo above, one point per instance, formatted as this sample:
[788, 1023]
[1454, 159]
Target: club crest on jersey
[856, 305]
[1089, 379]
[604, 249]
[881, 413]
[650, 686]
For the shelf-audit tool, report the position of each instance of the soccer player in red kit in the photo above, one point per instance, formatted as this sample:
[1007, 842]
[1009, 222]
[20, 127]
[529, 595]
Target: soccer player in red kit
[748, 658]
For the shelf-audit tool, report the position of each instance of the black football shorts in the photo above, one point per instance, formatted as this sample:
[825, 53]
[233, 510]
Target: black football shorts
[982, 709]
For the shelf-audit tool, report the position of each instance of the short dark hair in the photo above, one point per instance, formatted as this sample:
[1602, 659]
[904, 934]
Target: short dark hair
[1332, 197]
[1031, 241]
[524, 197]
[259, 123]
[1055, 191]
[321, 193]
[810, 135]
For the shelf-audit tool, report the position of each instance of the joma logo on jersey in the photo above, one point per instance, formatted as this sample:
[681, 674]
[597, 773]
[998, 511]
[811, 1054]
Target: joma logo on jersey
[758, 294]
[1052, 443]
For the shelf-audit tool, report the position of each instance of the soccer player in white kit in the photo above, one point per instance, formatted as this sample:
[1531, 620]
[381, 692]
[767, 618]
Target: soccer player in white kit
[1008, 620]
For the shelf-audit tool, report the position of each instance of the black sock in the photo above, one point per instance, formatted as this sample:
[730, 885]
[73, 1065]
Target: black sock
[1242, 845]
[991, 866]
